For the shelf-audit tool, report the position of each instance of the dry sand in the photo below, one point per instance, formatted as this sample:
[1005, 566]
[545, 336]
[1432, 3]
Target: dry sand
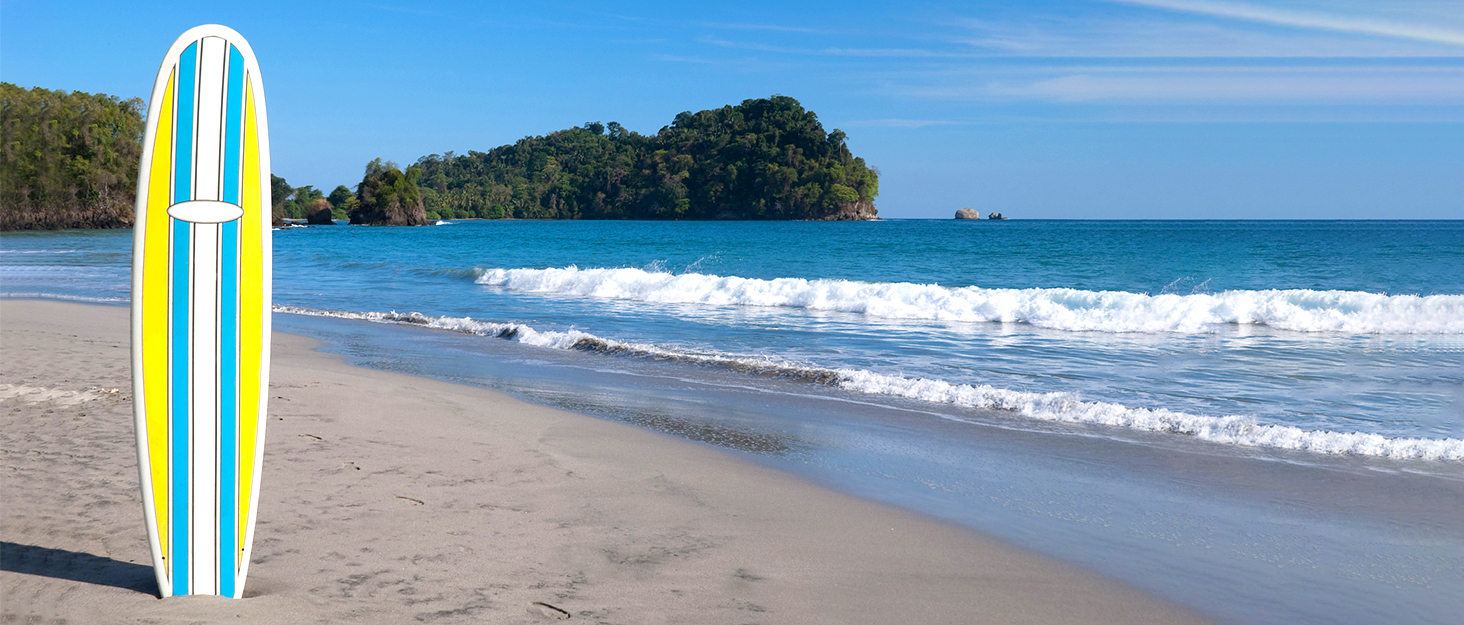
[394, 499]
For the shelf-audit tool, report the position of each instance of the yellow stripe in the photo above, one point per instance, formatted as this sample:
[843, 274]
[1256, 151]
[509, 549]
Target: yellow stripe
[251, 312]
[155, 314]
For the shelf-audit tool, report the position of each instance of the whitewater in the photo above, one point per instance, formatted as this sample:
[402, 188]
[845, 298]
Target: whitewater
[1061, 407]
[1062, 308]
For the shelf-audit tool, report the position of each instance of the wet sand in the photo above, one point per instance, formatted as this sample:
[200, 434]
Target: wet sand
[390, 499]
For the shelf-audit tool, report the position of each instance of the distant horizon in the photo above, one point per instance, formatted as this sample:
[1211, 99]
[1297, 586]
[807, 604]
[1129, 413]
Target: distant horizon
[1150, 109]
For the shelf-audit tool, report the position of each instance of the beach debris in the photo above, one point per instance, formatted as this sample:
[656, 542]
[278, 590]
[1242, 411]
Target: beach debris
[312, 436]
[539, 607]
[415, 502]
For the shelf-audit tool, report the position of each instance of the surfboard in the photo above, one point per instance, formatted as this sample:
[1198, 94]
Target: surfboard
[201, 312]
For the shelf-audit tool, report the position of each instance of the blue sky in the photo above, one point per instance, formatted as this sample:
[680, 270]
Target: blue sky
[1063, 109]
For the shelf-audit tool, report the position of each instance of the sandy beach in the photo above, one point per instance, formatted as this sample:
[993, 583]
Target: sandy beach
[391, 499]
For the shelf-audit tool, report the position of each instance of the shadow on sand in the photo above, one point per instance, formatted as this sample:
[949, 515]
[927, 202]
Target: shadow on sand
[77, 567]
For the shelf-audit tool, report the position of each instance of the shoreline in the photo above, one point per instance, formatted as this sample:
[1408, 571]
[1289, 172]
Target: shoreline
[389, 497]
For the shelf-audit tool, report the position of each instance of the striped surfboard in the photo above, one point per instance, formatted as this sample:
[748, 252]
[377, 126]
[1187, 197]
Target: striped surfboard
[201, 312]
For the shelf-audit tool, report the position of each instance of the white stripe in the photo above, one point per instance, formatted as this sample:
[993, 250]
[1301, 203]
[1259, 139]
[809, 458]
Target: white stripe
[210, 117]
[204, 546]
[206, 149]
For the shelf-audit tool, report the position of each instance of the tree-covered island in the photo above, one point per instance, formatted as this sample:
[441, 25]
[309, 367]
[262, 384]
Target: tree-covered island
[762, 159]
[71, 161]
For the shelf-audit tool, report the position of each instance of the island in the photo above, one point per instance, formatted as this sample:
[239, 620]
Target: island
[766, 158]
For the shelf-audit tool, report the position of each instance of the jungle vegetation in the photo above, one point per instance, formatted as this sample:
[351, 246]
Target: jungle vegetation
[765, 158]
[68, 160]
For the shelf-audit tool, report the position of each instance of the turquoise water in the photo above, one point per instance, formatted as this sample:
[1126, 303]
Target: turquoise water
[1320, 336]
[1229, 380]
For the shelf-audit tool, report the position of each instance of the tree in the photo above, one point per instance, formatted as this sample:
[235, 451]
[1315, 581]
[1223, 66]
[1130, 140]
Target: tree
[305, 199]
[342, 202]
[340, 196]
[280, 192]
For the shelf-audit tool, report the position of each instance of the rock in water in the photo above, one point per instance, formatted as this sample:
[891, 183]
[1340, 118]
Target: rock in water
[967, 213]
[319, 214]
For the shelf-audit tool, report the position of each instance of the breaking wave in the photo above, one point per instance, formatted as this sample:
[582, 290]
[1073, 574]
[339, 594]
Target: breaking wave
[1060, 309]
[64, 297]
[1052, 407]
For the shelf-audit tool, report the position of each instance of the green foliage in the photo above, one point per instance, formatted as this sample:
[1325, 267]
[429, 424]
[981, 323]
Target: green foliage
[762, 159]
[279, 195]
[295, 202]
[69, 160]
[340, 196]
[342, 202]
[389, 196]
[305, 198]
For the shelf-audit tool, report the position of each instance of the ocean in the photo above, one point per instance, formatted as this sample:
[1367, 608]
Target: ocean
[1263, 420]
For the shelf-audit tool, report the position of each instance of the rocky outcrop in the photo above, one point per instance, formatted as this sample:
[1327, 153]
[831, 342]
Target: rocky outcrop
[389, 197]
[852, 211]
[97, 215]
[319, 214]
[967, 213]
[392, 215]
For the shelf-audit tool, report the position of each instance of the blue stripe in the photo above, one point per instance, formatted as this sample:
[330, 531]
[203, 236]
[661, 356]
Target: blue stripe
[183, 152]
[233, 115]
[229, 331]
[228, 404]
[181, 253]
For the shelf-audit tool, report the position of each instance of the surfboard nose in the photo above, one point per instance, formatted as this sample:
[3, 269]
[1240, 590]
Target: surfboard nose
[205, 211]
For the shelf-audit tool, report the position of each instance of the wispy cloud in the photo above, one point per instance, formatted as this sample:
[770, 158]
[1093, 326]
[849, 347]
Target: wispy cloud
[902, 123]
[409, 10]
[914, 53]
[769, 27]
[701, 60]
[1238, 84]
[1161, 53]
[1174, 36]
[864, 52]
[1309, 19]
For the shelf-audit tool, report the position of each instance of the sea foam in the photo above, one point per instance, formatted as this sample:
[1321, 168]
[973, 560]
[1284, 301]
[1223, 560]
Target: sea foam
[1053, 407]
[1061, 309]
[63, 297]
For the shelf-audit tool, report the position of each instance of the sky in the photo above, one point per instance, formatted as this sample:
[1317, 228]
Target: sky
[1064, 109]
